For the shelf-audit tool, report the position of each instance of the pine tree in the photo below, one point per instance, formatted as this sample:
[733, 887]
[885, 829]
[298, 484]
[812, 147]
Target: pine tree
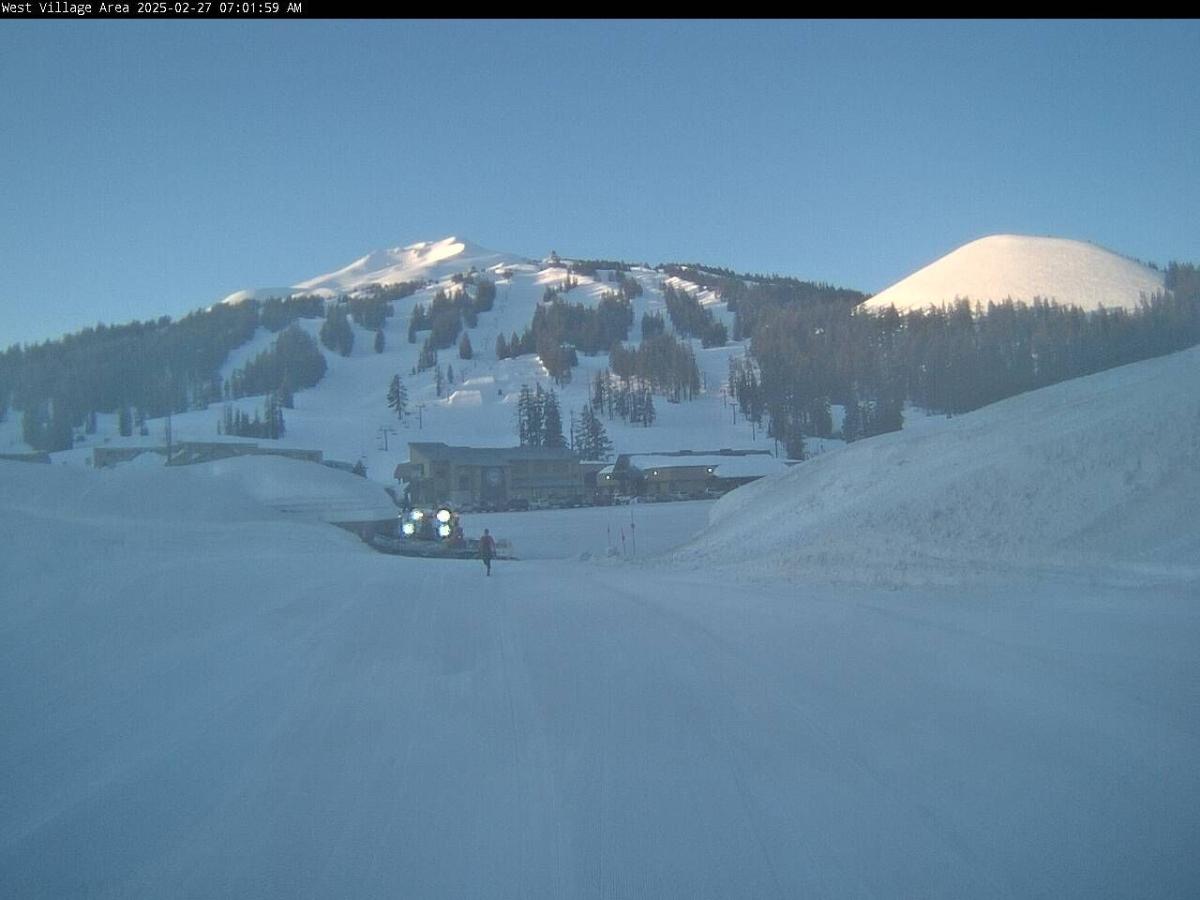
[397, 397]
[599, 389]
[273, 426]
[852, 421]
[336, 332]
[427, 358]
[537, 421]
[379, 341]
[449, 373]
[465, 350]
[124, 421]
[648, 413]
[552, 433]
[439, 380]
[501, 347]
[524, 416]
[593, 442]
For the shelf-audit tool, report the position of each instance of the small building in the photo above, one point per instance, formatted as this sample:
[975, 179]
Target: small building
[685, 473]
[491, 477]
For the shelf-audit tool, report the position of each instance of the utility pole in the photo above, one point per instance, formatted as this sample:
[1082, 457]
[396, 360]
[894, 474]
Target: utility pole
[168, 437]
[420, 416]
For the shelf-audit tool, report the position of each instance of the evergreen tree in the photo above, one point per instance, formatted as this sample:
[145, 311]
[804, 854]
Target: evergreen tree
[124, 421]
[337, 333]
[449, 373]
[428, 357]
[439, 380]
[852, 424]
[397, 397]
[593, 442]
[418, 322]
[537, 420]
[501, 347]
[379, 341]
[552, 432]
[465, 350]
[524, 416]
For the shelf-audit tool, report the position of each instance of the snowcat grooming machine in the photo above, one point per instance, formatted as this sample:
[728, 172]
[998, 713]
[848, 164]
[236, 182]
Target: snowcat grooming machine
[430, 533]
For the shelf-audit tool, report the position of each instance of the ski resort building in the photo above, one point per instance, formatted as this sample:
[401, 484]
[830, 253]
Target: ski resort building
[491, 477]
[686, 474]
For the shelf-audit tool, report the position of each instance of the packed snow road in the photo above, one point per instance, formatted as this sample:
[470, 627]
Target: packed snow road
[286, 714]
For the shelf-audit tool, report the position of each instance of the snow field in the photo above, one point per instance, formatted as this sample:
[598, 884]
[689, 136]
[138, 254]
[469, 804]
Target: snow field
[200, 696]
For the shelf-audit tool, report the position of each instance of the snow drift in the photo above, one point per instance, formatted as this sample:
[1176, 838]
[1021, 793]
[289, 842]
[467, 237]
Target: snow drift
[1099, 474]
[1006, 266]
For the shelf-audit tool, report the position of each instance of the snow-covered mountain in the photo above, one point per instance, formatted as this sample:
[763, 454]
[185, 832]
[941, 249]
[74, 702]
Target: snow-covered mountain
[422, 261]
[346, 415]
[1019, 267]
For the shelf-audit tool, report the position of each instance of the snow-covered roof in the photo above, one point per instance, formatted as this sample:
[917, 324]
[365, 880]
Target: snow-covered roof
[723, 466]
[486, 456]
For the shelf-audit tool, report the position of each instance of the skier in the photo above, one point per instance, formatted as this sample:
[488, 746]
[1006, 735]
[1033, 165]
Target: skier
[487, 549]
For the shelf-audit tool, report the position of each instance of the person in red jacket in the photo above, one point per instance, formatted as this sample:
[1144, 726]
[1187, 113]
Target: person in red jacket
[487, 550]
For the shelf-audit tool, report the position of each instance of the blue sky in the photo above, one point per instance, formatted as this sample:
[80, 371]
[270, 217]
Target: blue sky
[152, 167]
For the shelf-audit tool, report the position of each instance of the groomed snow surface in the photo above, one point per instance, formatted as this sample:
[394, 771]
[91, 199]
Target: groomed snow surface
[206, 694]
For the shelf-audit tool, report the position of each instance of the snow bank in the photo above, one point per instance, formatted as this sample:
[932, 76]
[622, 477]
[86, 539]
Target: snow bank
[302, 489]
[1100, 474]
[1021, 267]
[250, 488]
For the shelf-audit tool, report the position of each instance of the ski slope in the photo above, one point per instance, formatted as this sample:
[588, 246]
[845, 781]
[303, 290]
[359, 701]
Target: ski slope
[347, 417]
[1020, 267]
[205, 694]
[1099, 474]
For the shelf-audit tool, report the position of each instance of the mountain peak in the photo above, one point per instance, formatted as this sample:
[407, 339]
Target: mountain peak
[420, 261]
[1022, 267]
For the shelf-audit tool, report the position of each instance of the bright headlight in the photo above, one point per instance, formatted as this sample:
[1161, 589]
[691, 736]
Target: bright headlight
[409, 528]
[444, 530]
[417, 515]
[443, 515]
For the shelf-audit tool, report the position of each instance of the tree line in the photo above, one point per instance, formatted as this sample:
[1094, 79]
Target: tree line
[946, 359]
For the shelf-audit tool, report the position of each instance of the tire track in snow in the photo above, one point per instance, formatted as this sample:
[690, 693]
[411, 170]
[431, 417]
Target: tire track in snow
[836, 752]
